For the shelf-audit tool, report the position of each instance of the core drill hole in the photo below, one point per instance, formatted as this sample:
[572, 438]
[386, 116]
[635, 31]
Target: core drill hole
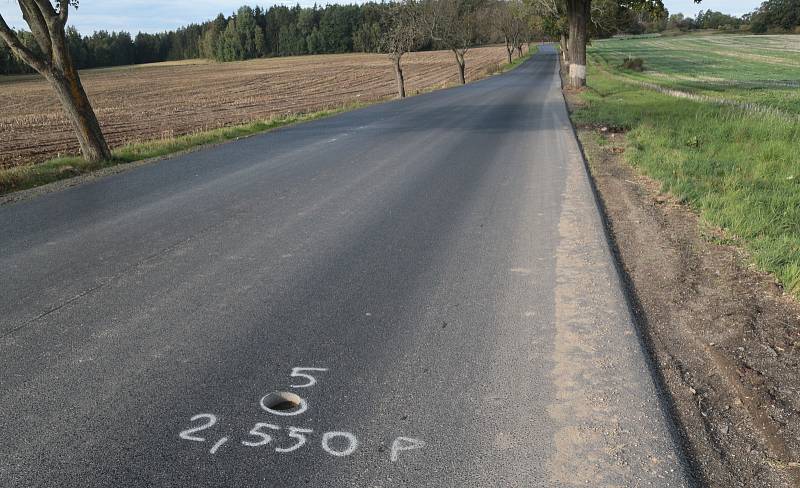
[282, 401]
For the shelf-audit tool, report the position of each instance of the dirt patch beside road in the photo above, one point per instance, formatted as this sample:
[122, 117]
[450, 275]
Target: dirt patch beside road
[726, 338]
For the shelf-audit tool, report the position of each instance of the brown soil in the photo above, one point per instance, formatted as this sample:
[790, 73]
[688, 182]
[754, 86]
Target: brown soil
[136, 103]
[724, 336]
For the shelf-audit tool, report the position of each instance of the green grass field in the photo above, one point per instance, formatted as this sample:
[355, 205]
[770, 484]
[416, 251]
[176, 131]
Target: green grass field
[737, 165]
[763, 70]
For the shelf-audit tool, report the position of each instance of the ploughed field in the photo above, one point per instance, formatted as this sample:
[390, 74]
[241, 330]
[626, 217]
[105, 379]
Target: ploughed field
[139, 103]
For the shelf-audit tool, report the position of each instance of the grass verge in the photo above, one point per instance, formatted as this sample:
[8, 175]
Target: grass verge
[739, 170]
[24, 177]
[502, 68]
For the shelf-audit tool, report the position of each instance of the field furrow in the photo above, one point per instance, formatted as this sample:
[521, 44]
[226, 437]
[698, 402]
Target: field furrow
[139, 103]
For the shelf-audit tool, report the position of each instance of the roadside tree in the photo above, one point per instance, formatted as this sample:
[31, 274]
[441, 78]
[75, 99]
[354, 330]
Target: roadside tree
[456, 26]
[51, 58]
[551, 15]
[403, 33]
[578, 15]
[511, 20]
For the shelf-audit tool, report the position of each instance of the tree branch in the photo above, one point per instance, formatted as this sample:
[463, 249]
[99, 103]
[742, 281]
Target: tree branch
[33, 15]
[63, 11]
[46, 8]
[12, 40]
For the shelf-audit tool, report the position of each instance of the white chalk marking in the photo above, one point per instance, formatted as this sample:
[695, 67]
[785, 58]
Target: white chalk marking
[187, 434]
[295, 433]
[351, 439]
[405, 444]
[296, 372]
[218, 445]
[257, 432]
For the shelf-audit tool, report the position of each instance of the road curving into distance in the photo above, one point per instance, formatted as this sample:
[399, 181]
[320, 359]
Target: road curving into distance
[419, 293]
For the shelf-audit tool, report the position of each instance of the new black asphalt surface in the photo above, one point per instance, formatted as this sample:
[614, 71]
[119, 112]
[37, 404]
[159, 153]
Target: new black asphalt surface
[442, 257]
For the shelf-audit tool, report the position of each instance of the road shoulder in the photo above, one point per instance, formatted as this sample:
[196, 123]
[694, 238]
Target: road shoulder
[724, 335]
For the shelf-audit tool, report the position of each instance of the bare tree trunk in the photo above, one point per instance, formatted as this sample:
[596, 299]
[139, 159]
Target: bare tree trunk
[578, 12]
[73, 99]
[53, 61]
[462, 66]
[398, 75]
[509, 49]
[564, 49]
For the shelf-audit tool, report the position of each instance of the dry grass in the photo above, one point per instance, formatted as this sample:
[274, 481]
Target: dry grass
[165, 100]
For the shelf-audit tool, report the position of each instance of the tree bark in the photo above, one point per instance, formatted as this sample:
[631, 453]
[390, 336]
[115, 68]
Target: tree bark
[565, 50]
[72, 96]
[578, 13]
[398, 74]
[509, 50]
[461, 67]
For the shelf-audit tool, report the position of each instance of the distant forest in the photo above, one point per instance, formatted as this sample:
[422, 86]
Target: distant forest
[283, 31]
[249, 33]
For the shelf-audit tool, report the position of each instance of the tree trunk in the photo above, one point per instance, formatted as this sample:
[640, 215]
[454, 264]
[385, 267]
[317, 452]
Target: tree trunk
[461, 67]
[72, 96]
[73, 99]
[564, 50]
[398, 74]
[510, 50]
[53, 61]
[578, 12]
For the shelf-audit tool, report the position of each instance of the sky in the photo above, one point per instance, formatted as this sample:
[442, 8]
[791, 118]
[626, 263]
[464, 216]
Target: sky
[156, 16]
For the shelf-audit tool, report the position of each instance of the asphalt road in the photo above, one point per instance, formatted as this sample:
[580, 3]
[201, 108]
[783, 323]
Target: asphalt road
[441, 257]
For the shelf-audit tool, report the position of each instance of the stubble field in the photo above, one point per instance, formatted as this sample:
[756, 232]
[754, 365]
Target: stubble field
[140, 103]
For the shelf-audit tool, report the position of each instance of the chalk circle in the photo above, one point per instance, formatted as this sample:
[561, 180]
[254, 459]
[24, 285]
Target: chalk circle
[350, 439]
[283, 403]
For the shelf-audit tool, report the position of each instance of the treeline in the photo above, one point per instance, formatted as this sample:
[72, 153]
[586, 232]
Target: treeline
[282, 31]
[779, 16]
[776, 15]
[249, 33]
[105, 48]
[707, 19]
